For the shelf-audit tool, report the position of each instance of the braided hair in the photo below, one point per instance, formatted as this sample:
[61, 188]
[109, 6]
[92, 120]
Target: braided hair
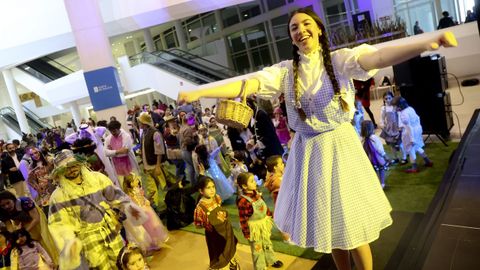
[327, 61]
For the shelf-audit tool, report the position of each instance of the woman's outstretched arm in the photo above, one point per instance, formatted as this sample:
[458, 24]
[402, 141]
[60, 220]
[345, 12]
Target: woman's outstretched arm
[229, 90]
[393, 55]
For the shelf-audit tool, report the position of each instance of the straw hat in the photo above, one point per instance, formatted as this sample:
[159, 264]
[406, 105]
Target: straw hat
[145, 118]
[62, 158]
[202, 126]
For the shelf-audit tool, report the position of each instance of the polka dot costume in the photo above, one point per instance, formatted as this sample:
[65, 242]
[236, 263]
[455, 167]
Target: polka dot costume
[330, 195]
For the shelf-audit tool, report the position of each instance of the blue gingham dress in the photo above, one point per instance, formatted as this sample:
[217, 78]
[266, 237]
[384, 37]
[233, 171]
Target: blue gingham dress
[330, 196]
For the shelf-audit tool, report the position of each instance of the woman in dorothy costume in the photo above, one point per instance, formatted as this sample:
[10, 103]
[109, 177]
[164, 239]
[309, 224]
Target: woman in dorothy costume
[330, 198]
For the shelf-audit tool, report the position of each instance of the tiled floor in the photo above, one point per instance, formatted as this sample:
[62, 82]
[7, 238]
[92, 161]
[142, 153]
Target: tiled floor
[188, 251]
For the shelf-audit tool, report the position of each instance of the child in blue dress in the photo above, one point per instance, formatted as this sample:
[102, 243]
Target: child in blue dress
[212, 170]
[330, 198]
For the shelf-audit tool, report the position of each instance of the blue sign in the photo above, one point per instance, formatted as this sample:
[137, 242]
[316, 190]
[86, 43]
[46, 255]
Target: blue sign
[104, 88]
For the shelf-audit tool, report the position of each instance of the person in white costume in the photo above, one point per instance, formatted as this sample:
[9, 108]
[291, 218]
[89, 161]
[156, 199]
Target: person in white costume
[330, 198]
[95, 134]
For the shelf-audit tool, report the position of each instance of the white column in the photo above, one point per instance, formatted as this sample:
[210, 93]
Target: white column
[182, 40]
[16, 104]
[147, 36]
[75, 110]
[150, 99]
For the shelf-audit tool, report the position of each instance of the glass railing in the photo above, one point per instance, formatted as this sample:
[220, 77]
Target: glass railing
[45, 69]
[58, 65]
[34, 73]
[10, 118]
[173, 64]
[206, 63]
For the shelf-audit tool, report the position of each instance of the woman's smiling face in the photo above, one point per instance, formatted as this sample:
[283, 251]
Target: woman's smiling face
[304, 32]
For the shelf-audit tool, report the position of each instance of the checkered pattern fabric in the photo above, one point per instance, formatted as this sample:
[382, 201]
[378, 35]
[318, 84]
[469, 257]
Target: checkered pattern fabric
[86, 212]
[330, 196]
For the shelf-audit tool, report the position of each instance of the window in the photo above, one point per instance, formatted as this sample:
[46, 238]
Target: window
[284, 49]
[240, 62]
[194, 31]
[335, 12]
[256, 35]
[280, 27]
[171, 40]
[273, 4]
[249, 10]
[229, 16]
[236, 41]
[261, 57]
[209, 24]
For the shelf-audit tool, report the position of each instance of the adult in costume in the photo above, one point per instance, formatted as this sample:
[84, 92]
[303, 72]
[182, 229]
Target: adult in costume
[85, 215]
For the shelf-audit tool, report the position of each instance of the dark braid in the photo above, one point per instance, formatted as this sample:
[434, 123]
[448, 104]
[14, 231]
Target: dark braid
[296, 88]
[327, 62]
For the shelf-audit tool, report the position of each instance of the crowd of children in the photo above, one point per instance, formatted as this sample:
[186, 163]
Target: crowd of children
[401, 131]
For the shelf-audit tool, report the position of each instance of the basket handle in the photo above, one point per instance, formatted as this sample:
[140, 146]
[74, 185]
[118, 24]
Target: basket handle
[243, 92]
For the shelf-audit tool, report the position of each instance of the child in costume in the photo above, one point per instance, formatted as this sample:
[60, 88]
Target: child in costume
[209, 214]
[238, 166]
[131, 258]
[390, 128]
[281, 126]
[28, 254]
[256, 222]
[358, 116]
[412, 131]
[224, 189]
[275, 167]
[5, 249]
[374, 148]
[152, 234]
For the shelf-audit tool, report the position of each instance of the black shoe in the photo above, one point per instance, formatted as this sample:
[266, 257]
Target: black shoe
[277, 264]
[403, 161]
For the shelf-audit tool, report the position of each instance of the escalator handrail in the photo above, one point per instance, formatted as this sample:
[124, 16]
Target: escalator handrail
[58, 65]
[33, 120]
[153, 59]
[230, 72]
[11, 124]
[42, 77]
[213, 72]
[36, 118]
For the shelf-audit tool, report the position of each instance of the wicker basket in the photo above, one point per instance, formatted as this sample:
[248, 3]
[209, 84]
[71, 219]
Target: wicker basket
[235, 114]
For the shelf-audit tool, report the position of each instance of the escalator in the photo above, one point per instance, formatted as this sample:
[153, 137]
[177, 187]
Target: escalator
[7, 114]
[185, 65]
[45, 69]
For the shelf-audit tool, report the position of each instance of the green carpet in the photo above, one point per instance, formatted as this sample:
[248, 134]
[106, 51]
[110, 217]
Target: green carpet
[409, 194]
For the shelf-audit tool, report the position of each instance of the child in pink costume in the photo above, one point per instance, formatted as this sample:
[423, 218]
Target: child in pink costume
[281, 126]
[152, 234]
